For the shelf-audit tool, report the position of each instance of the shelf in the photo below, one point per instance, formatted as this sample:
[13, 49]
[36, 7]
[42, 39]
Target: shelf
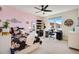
[39, 24]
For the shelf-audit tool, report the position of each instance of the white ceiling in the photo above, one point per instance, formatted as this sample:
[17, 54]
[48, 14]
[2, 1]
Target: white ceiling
[55, 9]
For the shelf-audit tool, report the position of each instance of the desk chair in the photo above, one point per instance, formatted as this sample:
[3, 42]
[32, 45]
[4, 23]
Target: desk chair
[51, 34]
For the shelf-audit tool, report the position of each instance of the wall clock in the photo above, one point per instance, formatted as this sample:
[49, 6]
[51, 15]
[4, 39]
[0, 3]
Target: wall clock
[68, 22]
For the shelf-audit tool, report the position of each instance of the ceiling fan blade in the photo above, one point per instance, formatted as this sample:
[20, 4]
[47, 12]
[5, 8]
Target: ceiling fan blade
[42, 7]
[45, 7]
[48, 10]
[37, 8]
[38, 12]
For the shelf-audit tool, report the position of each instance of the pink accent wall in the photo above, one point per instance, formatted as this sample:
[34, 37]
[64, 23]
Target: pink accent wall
[9, 12]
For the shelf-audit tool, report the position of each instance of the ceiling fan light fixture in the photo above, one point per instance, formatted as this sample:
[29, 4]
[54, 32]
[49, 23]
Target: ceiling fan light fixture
[43, 9]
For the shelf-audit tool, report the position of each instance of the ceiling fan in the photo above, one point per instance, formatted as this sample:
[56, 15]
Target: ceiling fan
[43, 9]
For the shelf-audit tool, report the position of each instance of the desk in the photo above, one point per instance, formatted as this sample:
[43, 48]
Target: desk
[59, 35]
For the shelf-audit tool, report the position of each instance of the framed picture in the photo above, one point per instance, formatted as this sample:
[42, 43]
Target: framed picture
[27, 22]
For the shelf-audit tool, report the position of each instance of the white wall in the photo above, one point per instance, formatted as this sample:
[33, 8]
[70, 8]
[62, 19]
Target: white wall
[73, 14]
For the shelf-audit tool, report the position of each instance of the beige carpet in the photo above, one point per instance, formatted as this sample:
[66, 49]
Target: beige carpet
[51, 46]
[54, 47]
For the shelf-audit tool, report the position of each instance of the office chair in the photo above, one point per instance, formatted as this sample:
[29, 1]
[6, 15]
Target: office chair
[51, 34]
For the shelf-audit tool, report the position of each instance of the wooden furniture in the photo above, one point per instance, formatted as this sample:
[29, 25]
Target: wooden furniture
[73, 39]
[39, 27]
[46, 34]
[5, 33]
[59, 35]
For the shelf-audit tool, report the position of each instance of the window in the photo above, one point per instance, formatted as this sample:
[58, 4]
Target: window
[57, 20]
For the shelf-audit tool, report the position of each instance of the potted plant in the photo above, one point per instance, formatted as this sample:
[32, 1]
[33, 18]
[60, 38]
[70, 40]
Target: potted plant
[6, 24]
[6, 27]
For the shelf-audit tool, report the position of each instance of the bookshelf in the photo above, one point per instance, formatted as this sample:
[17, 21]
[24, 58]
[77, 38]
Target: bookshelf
[39, 27]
